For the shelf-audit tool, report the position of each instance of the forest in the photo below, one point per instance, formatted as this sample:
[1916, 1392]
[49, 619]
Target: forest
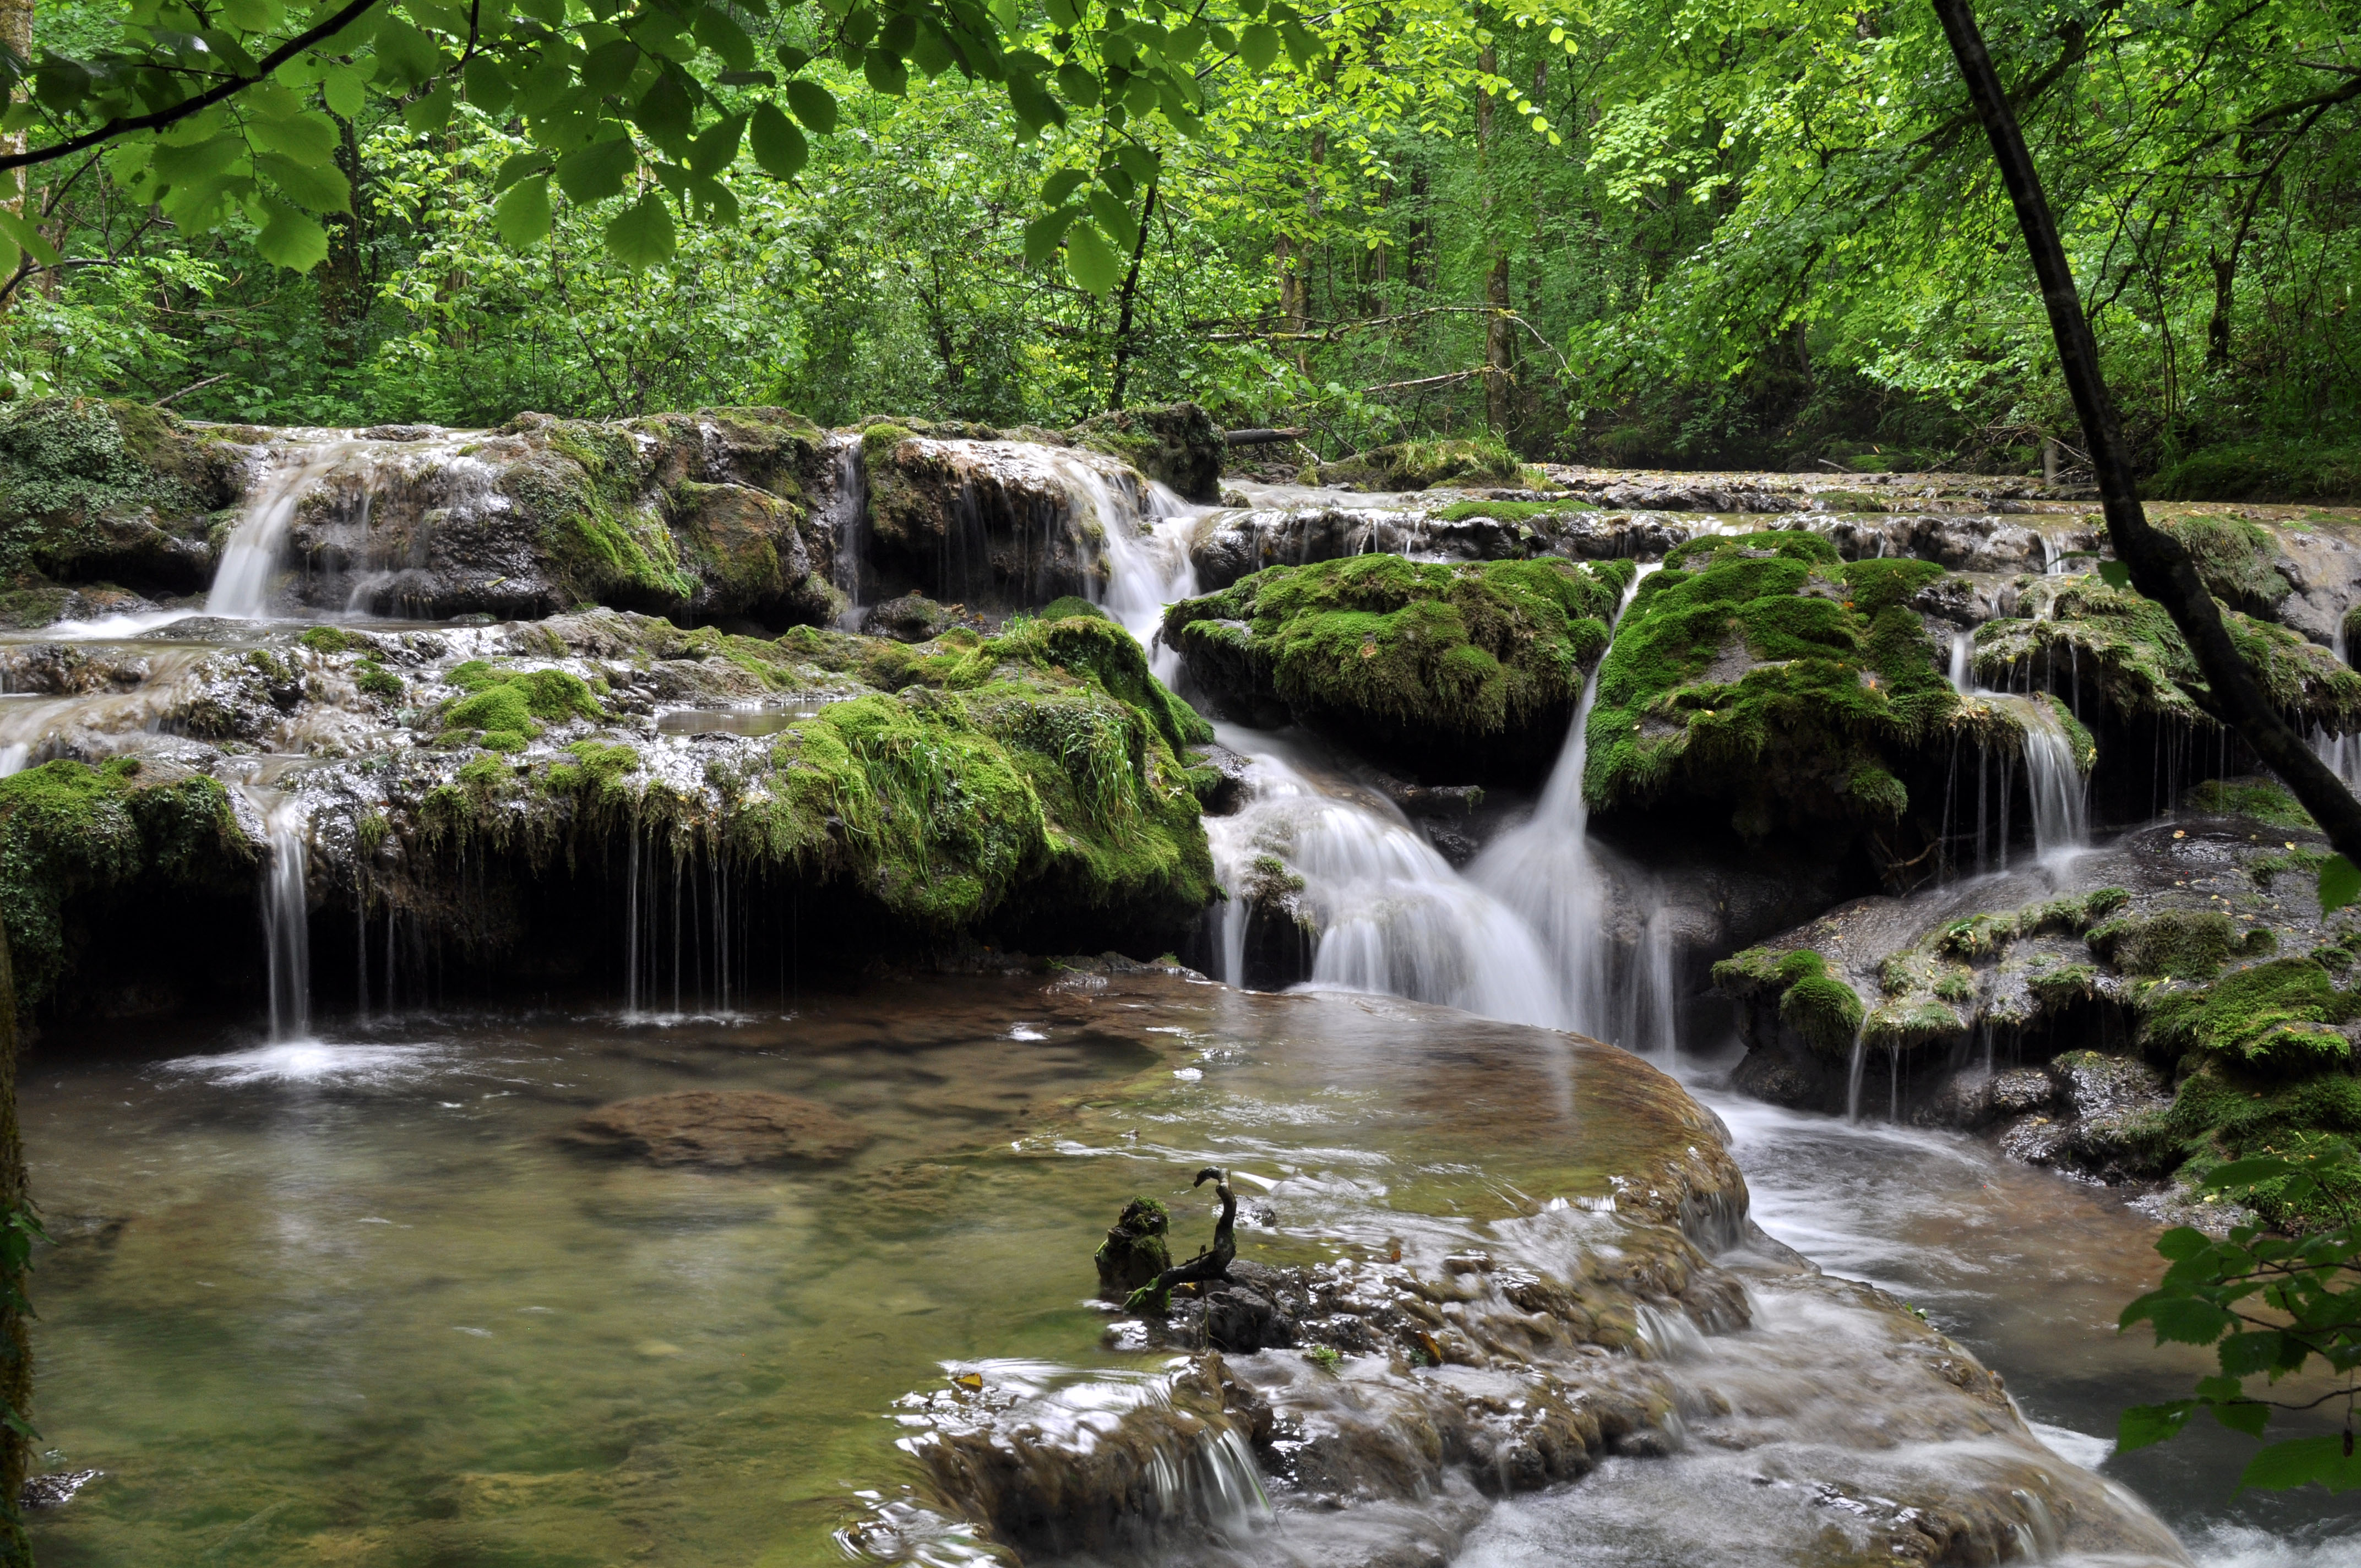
[1631, 234]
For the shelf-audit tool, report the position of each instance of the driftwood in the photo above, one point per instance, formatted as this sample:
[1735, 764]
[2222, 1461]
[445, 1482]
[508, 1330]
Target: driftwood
[1206, 1267]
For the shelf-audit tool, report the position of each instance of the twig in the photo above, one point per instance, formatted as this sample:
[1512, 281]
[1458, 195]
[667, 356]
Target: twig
[190, 388]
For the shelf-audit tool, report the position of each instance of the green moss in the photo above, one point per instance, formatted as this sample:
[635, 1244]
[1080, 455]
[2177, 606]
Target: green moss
[2222, 1111]
[1762, 671]
[1408, 652]
[2264, 470]
[501, 711]
[375, 680]
[2063, 985]
[1907, 1025]
[605, 542]
[331, 640]
[1824, 1011]
[2129, 648]
[1511, 511]
[1421, 464]
[2276, 1019]
[877, 442]
[1985, 936]
[2232, 557]
[67, 829]
[1072, 604]
[2264, 800]
[2178, 944]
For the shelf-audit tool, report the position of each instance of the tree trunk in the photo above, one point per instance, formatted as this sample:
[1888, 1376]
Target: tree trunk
[1130, 291]
[2217, 330]
[1495, 282]
[2160, 567]
[18, 1227]
[16, 37]
[344, 282]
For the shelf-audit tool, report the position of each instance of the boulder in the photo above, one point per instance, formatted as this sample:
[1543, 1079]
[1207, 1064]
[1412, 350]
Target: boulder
[719, 1129]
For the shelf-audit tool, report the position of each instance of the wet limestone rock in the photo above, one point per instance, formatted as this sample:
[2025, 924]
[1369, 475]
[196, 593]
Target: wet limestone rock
[1421, 464]
[1177, 444]
[720, 1130]
[93, 490]
[1445, 672]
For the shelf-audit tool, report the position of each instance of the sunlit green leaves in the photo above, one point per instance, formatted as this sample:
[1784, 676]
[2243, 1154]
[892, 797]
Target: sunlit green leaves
[598, 171]
[813, 104]
[291, 237]
[523, 216]
[1090, 261]
[2340, 883]
[641, 234]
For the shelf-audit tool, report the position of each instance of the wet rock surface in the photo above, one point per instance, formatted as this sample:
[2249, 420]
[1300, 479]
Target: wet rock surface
[720, 1130]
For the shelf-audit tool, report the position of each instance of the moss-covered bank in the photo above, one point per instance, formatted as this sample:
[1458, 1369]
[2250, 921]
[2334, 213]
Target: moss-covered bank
[1448, 672]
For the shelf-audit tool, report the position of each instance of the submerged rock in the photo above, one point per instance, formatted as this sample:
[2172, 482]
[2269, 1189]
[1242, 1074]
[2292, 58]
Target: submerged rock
[719, 1129]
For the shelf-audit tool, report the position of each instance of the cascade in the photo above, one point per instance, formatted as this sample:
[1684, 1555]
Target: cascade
[2060, 795]
[1549, 874]
[241, 583]
[2341, 752]
[846, 520]
[286, 920]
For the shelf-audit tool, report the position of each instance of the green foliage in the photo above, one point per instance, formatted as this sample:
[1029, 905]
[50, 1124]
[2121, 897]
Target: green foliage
[2276, 470]
[2270, 1306]
[1422, 465]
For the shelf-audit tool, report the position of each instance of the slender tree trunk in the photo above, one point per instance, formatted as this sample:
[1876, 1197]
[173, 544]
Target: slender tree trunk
[17, 1229]
[2160, 567]
[1123, 318]
[16, 37]
[1496, 281]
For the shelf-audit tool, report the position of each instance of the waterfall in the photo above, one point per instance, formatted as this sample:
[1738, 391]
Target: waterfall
[846, 519]
[1394, 916]
[2060, 795]
[286, 921]
[250, 560]
[2341, 752]
[1548, 873]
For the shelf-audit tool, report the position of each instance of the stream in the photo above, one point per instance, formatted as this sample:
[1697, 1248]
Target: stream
[353, 1292]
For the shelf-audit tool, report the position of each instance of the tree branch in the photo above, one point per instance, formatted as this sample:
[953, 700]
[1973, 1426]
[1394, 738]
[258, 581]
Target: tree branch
[205, 100]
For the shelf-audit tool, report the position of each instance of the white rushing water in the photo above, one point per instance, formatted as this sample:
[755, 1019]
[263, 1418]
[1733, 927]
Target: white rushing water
[286, 918]
[249, 565]
[2056, 786]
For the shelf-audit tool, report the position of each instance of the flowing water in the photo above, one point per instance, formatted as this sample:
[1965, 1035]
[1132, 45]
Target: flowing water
[245, 583]
[349, 1295]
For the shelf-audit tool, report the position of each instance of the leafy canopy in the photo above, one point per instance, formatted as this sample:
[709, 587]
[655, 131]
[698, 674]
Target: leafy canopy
[639, 106]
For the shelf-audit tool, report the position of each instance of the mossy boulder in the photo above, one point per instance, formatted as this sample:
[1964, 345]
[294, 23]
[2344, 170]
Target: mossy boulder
[1818, 1009]
[2123, 650]
[1177, 444]
[2178, 944]
[69, 831]
[2263, 800]
[2263, 471]
[1422, 465]
[1763, 674]
[1447, 672]
[2222, 1112]
[2276, 1019]
[111, 490]
[1134, 1251]
[991, 524]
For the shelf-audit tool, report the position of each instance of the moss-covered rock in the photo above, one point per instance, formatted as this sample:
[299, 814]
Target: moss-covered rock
[2178, 944]
[2222, 1111]
[1817, 1008]
[2278, 1018]
[1443, 670]
[2264, 470]
[2125, 651]
[1422, 465]
[92, 490]
[68, 830]
[1177, 443]
[2264, 800]
[1762, 673]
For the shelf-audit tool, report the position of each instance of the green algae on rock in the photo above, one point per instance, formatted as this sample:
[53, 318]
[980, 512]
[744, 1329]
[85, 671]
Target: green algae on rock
[1422, 465]
[92, 488]
[1465, 670]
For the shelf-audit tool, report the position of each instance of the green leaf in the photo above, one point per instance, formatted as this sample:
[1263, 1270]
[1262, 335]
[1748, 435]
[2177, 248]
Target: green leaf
[2304, 1460]
[2243, 1416]
[1137, 161]
[608, 69]
[319, 187]
[2340, 883]
[746, 78]
[27, 236]
[1045, 234]
[641, 234]
[2145, 1424]
[2189, 1322]
[1033, 107]
[711, 153]
[1060, 187]
[489, 87]
[790, 58]
[664, 112]
[718, 30]
[523, 216]
[2246, 1172]
[307, 138]
[516, 165]
[595, 172]
[345, 90]
[886, 73]
[814, 104]
[1259, 45]
[1080, 87]
[778, 146]
[2115, 574]
[1091, 260]
[1114, 217]
[289, 238]
[430, 113]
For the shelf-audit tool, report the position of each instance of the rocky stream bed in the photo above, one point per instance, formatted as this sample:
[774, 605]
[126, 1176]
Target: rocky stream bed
[576, 812]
